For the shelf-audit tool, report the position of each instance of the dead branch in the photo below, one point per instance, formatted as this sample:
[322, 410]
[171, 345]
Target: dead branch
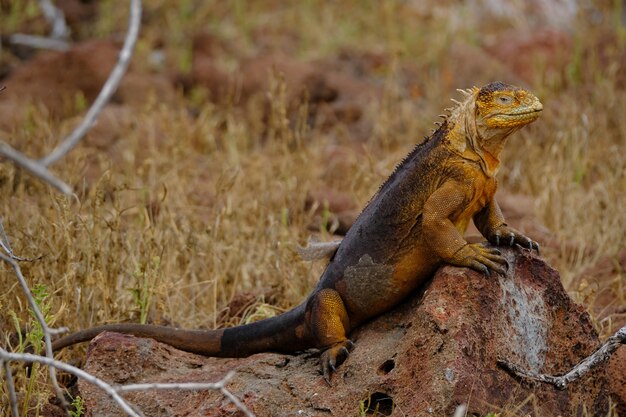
[39, 168]
[47, 331]
[218, 386]
[58, 35]
[598, 357]
[39, 42]
[54, 364]
[6, 246]
[55, 16]
[110, 86]
[34, 168]
[10, 387]
[113, 391]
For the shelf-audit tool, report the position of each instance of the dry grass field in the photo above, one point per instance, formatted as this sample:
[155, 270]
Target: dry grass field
[185, 204]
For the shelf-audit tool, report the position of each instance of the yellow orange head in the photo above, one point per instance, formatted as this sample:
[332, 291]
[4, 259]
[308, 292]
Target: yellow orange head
[503, 106]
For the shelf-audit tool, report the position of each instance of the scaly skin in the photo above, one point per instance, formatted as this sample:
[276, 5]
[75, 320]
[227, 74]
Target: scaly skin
[413, 224]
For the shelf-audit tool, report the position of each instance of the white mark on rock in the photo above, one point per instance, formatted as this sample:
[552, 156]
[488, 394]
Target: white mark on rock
[449, 374]
[526, 311]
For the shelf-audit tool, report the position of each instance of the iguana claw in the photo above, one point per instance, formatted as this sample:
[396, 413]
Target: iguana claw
[480, 258]
[533, 245]
[513, 237]
[333, 357]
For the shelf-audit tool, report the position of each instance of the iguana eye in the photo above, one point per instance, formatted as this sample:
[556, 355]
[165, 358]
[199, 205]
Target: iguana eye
[504, 99]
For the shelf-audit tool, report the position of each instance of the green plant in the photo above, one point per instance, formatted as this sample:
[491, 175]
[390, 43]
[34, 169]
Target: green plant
[35, 339]
[147, 279]
[78, 407]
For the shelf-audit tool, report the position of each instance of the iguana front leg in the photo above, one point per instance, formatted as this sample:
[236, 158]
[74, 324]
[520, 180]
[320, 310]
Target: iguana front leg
[444, 238]
[491, 224]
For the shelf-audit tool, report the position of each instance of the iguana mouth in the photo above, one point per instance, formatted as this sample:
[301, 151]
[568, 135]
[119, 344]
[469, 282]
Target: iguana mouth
[526, 113]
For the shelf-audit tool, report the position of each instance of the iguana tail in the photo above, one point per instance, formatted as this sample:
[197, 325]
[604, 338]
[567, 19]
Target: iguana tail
[285, 333]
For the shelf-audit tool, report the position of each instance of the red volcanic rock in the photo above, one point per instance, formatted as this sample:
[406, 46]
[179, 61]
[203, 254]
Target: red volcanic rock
[53, 80]
[430, 354]
[605, 281]
[541, 53]
[334, 94]
[616, 373]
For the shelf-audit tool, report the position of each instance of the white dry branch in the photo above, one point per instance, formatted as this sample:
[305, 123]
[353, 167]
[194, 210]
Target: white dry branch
[6, 246]
[598, 357]
[47, 331]
[218, 386]
[39, 168]
[35, 168]
[113, 391]
[59, 33]
[39, 42]
[55, 16]
[110, 86]
[6, 357]
[10, 387]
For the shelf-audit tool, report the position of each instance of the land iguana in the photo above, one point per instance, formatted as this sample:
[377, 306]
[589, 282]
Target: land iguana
[412, 225]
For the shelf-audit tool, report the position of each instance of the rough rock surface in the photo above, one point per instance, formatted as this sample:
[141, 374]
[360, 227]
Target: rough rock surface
[616, 372]
[435, 351]
[604, 292]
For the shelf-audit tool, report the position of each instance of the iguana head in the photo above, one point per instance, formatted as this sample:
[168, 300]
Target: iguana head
[504, 106]
[480, 124]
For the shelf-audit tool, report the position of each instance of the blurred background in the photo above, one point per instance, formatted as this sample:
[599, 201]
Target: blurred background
[244, 127]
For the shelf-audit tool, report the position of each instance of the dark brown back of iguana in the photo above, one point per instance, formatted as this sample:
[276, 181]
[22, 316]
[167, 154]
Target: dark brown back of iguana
[412, 224]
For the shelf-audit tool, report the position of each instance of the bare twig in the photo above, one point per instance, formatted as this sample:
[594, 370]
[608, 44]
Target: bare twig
[115, 391]
[56, 18]
[11, 388]
[48, 359]
[6, 246]
[4, 239]
[58, 35]
[34, 168]
[236, 401]
[47, 331]
[218, 386]
[39, 42]
[107, 90]
[561, 382]
[54, 364]
[39, 168]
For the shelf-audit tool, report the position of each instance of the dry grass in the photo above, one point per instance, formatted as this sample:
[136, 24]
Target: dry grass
[194, 210]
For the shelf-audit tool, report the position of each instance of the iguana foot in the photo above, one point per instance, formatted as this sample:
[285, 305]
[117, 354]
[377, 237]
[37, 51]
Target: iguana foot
[480, 258]
[507, 236]
[334, 356]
